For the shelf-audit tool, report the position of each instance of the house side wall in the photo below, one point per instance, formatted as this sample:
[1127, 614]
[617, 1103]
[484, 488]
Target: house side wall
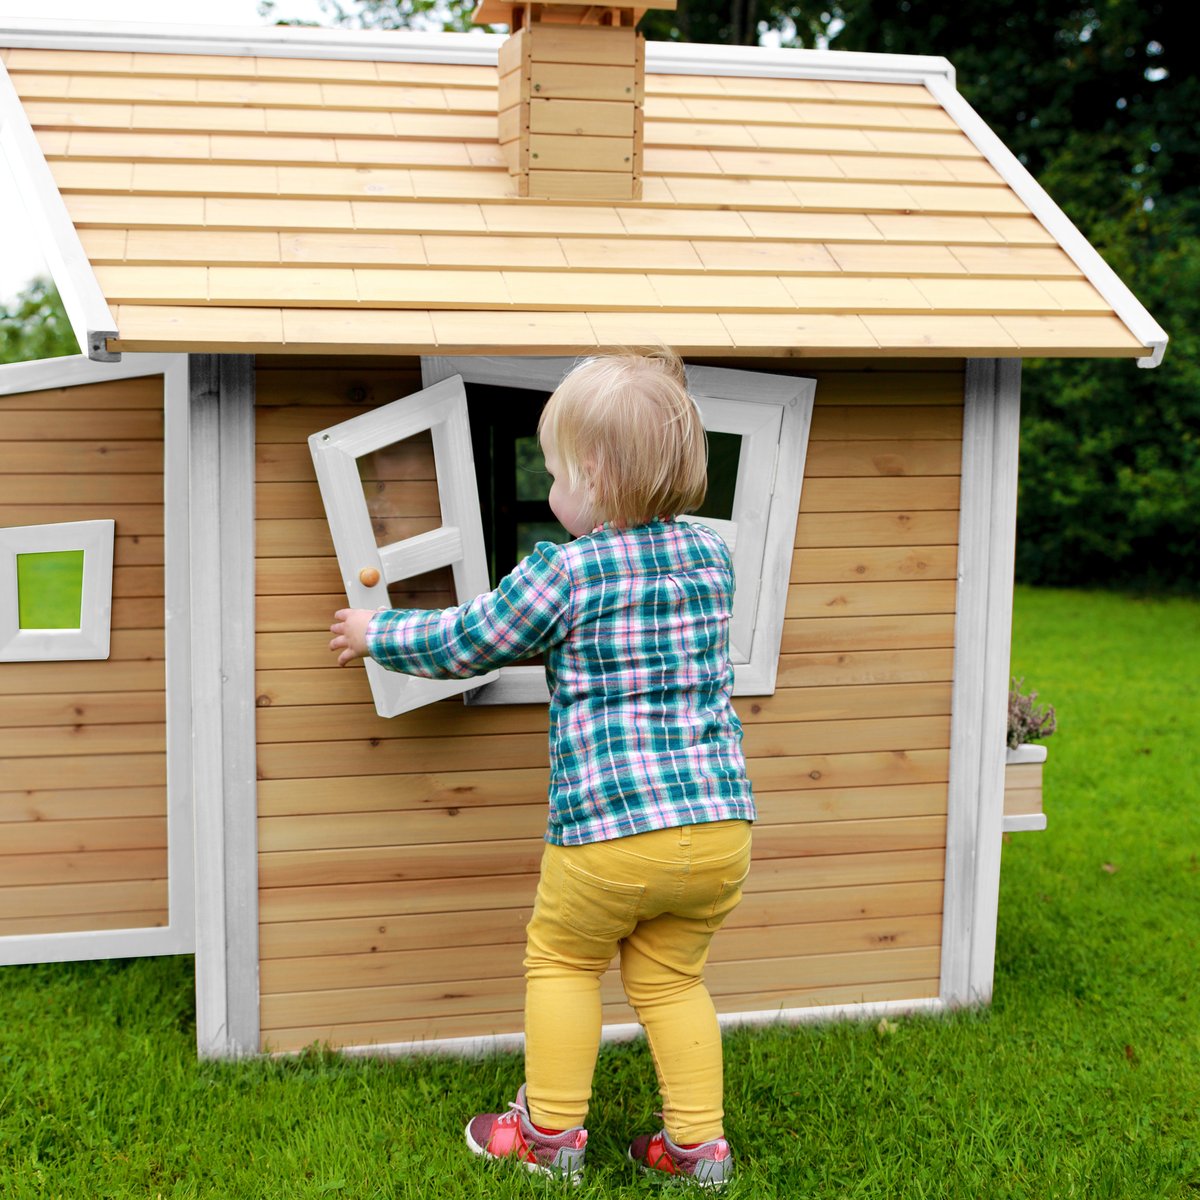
[398, 858]
[83, 798]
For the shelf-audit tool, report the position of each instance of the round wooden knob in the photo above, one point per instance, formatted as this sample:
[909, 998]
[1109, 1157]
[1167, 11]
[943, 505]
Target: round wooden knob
[368, 577]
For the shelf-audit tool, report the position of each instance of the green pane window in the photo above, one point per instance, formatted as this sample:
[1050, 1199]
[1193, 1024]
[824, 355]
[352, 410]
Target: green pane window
[50, 589]
[724, 451]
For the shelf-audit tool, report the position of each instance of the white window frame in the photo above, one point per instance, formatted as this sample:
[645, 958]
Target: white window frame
[91, 638]
[367, 568]
[773, 414]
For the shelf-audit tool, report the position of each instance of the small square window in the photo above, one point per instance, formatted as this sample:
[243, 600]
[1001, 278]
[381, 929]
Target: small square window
[56, 591]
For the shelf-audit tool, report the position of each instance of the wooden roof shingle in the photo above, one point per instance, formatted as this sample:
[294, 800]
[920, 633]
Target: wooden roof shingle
[256, 203]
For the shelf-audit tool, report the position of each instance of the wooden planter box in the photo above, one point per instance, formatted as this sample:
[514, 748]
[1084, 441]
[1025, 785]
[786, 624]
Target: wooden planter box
[1023, 789]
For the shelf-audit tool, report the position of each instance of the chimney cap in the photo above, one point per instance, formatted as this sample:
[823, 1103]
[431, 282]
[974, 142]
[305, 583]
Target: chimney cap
[500, 12]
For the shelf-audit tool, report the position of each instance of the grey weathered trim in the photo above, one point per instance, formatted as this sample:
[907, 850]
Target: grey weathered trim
[222, 554]
[177, 578]
[982, 641]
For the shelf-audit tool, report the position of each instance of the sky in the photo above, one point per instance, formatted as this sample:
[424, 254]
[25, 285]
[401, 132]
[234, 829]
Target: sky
[19, 260]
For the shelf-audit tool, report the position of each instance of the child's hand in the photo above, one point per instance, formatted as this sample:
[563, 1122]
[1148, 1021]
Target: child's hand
[350, 634]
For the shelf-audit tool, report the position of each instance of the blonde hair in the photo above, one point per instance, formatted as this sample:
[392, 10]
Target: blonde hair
[628, 434]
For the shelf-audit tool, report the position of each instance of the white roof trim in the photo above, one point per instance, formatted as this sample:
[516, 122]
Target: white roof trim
[1085, 256]
[54, 231]
[476, 48]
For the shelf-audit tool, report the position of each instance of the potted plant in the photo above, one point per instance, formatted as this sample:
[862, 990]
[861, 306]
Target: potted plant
[1027, 723]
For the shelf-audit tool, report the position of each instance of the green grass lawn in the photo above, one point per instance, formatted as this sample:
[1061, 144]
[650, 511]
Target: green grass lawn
[1081, 1080]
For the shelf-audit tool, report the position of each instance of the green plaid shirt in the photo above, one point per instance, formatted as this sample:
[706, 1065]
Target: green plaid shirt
[634, 625]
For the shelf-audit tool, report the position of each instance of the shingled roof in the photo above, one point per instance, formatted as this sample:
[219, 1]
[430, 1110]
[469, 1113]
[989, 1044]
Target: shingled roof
[274, 198]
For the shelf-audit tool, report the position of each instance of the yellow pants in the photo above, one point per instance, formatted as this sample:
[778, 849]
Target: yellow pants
[657, 897]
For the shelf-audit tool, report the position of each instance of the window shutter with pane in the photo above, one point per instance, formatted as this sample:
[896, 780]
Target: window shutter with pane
[367, 568]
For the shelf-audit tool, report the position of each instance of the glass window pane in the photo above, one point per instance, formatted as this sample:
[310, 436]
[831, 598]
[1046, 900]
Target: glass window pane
[724, 451]
[533, 480]
[50, 589]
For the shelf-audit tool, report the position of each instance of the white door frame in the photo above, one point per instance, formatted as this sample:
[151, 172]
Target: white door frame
[179, 934]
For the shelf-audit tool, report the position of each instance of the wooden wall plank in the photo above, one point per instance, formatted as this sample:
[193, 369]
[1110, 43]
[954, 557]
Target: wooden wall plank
[845, 529]
[75, 837]
[444, 788]
[474, 996]
[98, 708]
[383, 968]
[871, 599]
[867, 564]
[396, 932]
[95, 866]
[294, 760]
[103, 771]
[821, 669]
[424, 1029]
[87, 921]
[66, 804]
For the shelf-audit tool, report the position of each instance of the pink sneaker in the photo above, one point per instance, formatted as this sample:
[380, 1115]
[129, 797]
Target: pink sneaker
[513, 1135]
[708, 1165]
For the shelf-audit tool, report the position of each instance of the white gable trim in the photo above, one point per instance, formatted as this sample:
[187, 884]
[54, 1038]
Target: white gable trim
[1085, 256]
[477, 48]
[53, 229]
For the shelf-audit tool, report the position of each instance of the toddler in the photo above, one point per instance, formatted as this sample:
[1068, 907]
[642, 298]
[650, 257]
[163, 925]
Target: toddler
[648, 840]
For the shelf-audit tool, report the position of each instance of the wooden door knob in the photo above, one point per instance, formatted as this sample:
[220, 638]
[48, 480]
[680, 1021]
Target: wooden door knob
[368, 576]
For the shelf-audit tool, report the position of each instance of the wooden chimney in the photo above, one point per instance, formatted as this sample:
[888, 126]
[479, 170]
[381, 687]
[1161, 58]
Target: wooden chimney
[572, 84]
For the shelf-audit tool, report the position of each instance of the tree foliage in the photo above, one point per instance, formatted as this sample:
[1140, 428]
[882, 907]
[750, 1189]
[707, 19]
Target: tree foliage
[36, 325]
[1099, 99]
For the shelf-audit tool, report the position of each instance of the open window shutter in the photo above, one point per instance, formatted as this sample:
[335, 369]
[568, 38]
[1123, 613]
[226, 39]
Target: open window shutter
[367, 568]
[745, 535]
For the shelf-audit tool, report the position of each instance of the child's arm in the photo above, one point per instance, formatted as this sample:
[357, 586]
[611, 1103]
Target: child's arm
[525, 614]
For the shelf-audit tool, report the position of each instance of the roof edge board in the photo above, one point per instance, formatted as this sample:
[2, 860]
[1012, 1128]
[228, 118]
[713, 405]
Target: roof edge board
[479, 49]
[54, 231]
[1082, 253]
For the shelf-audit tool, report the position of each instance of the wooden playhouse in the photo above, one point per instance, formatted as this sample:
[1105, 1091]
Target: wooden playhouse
[292, 251]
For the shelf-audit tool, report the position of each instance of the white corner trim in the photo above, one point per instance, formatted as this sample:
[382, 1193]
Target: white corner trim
[178, 936]
[979, 704]
[474, 1047]
[1085, 256]
[53, 229]
[476, 47]
[221, 547]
